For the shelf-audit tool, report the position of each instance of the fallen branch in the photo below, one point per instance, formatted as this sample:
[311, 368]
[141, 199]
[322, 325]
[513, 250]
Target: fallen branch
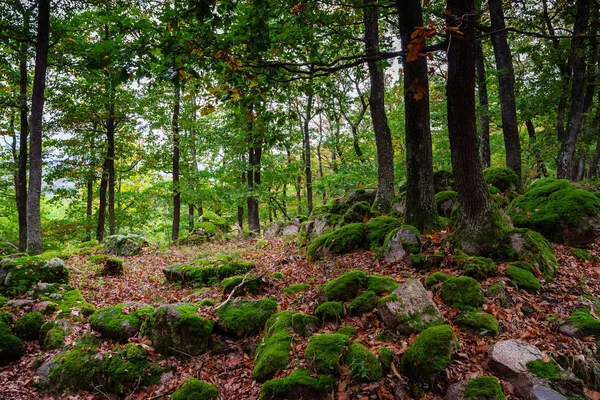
[238, 287]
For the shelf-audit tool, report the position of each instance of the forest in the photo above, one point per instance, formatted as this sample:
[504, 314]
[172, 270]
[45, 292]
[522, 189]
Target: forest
[291, 199]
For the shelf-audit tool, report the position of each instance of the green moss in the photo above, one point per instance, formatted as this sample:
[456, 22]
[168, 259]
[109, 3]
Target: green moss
[6, 317]
[585, 322]
[386, 357]
[343, 240]
[298, 287]
[463, 292]
[127, 368]
[242, 318]
[363, 303]
[24, 273]
[119, 322]
[378, 228]
[302, 322]
[474, 266]
[484, 388]
[273, 353]
[28, 325]
[522, 279]
[345, 287]
[209, 271]
[581, 254]
[206, 226]
[97, 258]
[545, 370]
[300, 381]
[214, 218]
[527, 266]
[279, 276]
[482, 322]
[446, 195]
[349, 331]
[78, 368]
[385, 337]
[66, 299]
[363, 364]
[330, 311]
[501, 177]
[435, 278]
[206, 303]
[429, 354]
[537, 250]
[11, 347]
[195, 389]
[381, 284]
[325, 352]
[53, 338]
[229, 284]
[418, 260]
[358, 212]
[3, 301]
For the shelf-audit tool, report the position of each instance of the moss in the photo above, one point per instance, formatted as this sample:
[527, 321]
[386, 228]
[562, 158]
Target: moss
[378, 228]
[522, 279]
[501, 177]
[214, 218]
[97, 258]
[381, 284]
[78, 368]
[242, 318]
[545, 370]
[330, 311]
[429, 354]
[206, 303]
[229, 284]
[463, 292]
[527, 266]
[418, 260]
[325, 352]
[343, 240]
[206, 226]
[581, 254]
[24, 273]
[3, 301]
[363, 364]
[444, 196]
[53, 338]
[126, 368]
[435, 278]
[66, 299]
[385, 337]
[11, 347]
[6, 317]
[28, 325]
[484, 388]
[298, 287]
[585, 322]
[195, 389]
[119, 322]
[273, 353]
[345, 287]
[302, 323]
[386, 357]
[349, 331]
[474, 266]
[481, 322]
[358, 212]
[300, 381]
[386, 299]
[363, 303]
[279, 276]
[536, 250]
[209, 271]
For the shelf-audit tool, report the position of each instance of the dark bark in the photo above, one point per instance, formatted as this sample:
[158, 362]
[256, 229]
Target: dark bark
[21, 182]
[88, 208]
[190, 217]
[240, 217]
[176, 189]
[383, 136]
[477, 230]
[355, 124]
[506, 86]
[420, 207]
[307, 162]
[253, 175]
[34, 225]
[484, 110]
[593, 169]
[569, 142]
[540, 166]
[102, 201]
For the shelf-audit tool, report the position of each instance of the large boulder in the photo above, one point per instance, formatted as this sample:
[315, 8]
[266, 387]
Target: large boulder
[207, 270]
[291, 228]
[446, 202]
[502, 178]
[273, 230]
[17, 276]
[529, 245]
[482, 387]
[345, 287]
[400, 243]
[299, 385]
[125, 245]
[240, 317]
[120, 322]
[409, 309]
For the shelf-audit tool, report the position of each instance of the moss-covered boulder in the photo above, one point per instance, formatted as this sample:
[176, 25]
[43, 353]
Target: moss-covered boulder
[273, 353]
[195, 389]
[296, 288]
[120, 322]
[52, 334]
[305, 325]
[581, 324]
[429, 354]
[251, 284]
[113, 266]
[559, 211]
[445, 202]
[583, 255]
[443, 180]
[342, 240]
[462, 292]
[357, 212]
[330, 311]
[480, 322]
[400, 242]
[522, 278]
[325, 352]
[363, 303]
[381, 284]
[502, 178]
[363, 364]
[28, 325]
[379, 228]
[124, 245]
[525, 244]
[480, 388]
[78, 368]
[127, 368]
[345, 287]
[434, 279]
[177, 328]
[67, 299]
[207, 271]
[349, 331]
[11, 347]
[241, 317]
[299, 385]
[475, 266]
[17, 276]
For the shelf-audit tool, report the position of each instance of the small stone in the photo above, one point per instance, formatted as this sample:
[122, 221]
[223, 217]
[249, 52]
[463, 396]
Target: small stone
[456, 391]
[509, 358]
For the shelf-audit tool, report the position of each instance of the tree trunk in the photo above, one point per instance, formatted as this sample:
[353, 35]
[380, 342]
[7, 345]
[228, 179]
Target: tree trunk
[420, 207]
[541, 168]
[253, 175]
[593, 169]
[21, 183]
[484, 113]
[478, 228]
[88, 209]
[34, 223]
[176, 189]
[567, 150]
[307, 162]
[102, 202]
[506, 85]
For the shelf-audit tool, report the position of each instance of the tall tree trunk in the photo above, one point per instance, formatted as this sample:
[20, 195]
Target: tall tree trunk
[383, 136]
[110, 158]
[21, 183]
[88, 208]
[34, 223]
[506, 84]
[593, 169]
[102, 201]
[307, 163]
[484, 113]
[478, 229]
[567, 149]
[541, 168]
[253, 175]
[420, 207]
[176, 189]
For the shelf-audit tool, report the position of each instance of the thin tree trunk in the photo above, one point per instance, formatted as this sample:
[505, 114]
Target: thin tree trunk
[21, 184]
[110, 136]
[420, 207]
[541, 168]
[176, 189]
[88, 209]
[484, 113]
[253, 175]
[34, 223]
[593, 169]
[102, 202]
[307, 162]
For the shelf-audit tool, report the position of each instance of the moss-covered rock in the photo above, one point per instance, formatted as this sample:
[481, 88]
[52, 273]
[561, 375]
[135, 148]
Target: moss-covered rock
[483, 388]
[358, 212]
[363, 364]
[120, 322]
[296, 288]
[363, 303]
[345, 287]
[544, 369]
[385, 337]
[241, 318]
[343, 240]
[481, 322]
[527, 266]
[305, 325]
[273, 353]
[522, 279]
[213, 217]
[434, 279]
[474, 266]
[11, 347]
[52, 334]
[559, 211]
[68, 300]
[177, 328]
[445, 202]
[581, 324]
[78, 368]
[530, 246]
[251, 285]
[386, 357]
[124, 245]
[462, 292]
[17, 276]
[112, 267]
[330, 311]
[583, 255]
[28, 325]
[349, 331]
[207, 271]
[296, 386]
[127, 368]
[381, 284]
[379, 228]
[325, 352]
[3, 301]
[195, 389]
[503, 178]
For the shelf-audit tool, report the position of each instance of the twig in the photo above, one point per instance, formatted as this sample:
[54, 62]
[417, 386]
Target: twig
[162, 395]
[181, 352]
[238, 287]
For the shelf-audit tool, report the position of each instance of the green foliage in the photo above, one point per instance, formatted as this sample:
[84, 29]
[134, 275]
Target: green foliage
[300, 381]
[363, 364]
[295, 288]
[585, 322]
[481, 322]
[330, 311]
[195, 389]
[381, 284]
[325, 352]
[342, 240]
[434, 279]
[28, 325]
[345, 287]
[484, 388]
[474, 266]
[378, 228]
[363, 303]
[462, 292]
[522, 279]
[501, 177]
[241, 318]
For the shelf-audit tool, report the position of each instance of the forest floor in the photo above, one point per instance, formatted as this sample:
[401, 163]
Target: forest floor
[533, 318]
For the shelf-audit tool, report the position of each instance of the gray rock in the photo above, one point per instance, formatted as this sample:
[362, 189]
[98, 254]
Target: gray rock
[396, 250]
[545, 393]
[456, 391]
[292, 228]
[320, 225]
[43, 372]
[399, 206]
[273, 230]
[570, 330]
[508, 358]
[446, 207]
[20, 303]
[412, 310]
[125, 245]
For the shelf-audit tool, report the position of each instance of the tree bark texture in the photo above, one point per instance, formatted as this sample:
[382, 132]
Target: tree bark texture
[307, 162]
[484, 110]
[176, 189]
[21, 183]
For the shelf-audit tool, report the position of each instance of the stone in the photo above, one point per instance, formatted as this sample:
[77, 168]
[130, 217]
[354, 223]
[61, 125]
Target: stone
[409, 309]
[320, 225]
[125, 245]
[545, 393]
[292, 228]
[509, 358]
[396, 250]
[20, 303]
[273, 230]
[19, 276]
[456, 391]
